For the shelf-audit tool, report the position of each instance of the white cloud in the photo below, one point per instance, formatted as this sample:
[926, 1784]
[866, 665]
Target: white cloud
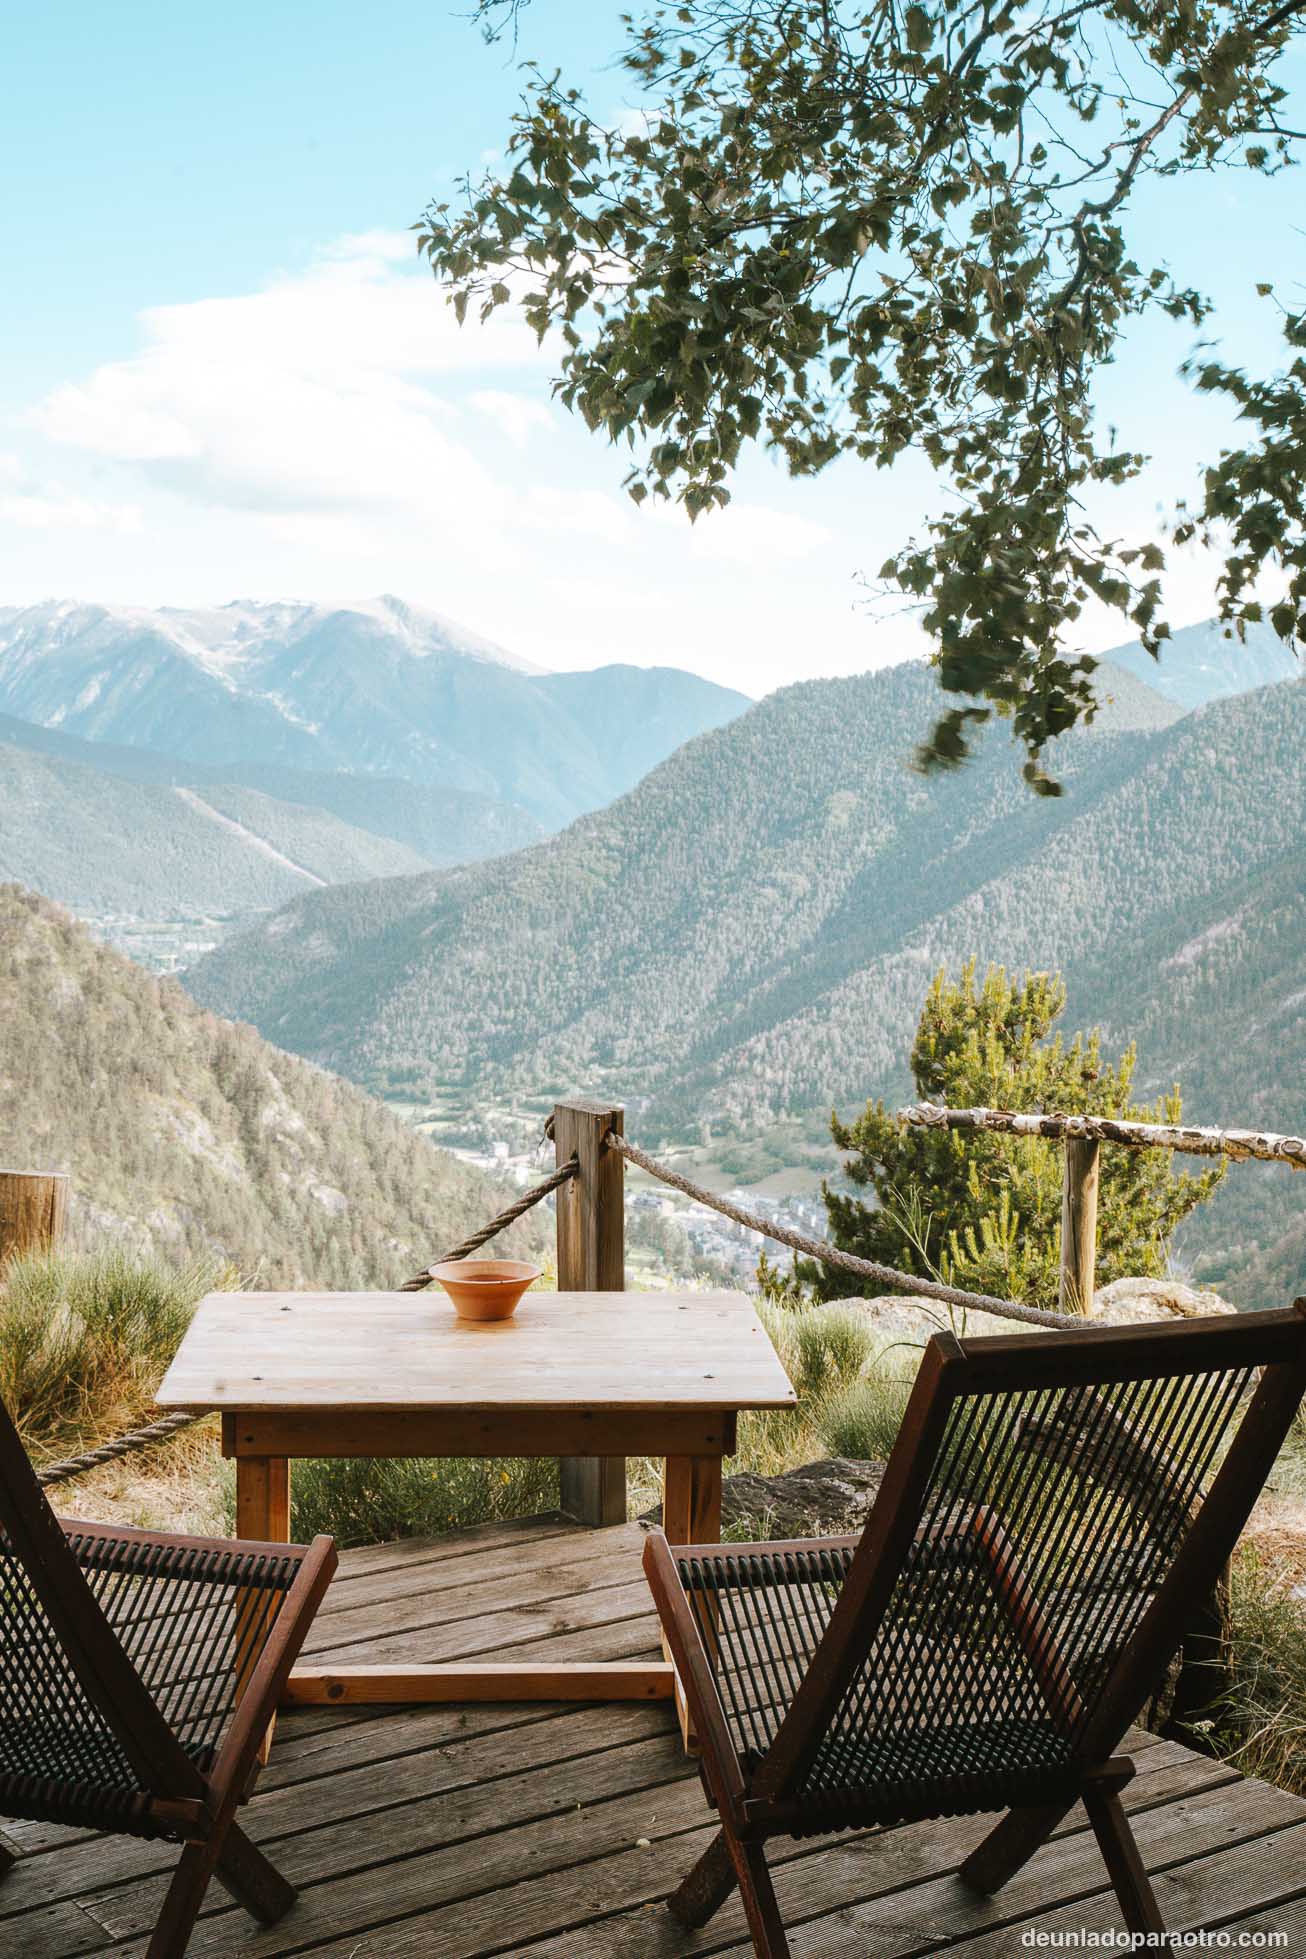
[36, 504]
[747, 534]
[331, 392]
[336, 430]
[515, 415]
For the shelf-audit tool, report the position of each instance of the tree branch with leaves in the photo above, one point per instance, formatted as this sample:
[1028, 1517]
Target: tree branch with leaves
[868, 228]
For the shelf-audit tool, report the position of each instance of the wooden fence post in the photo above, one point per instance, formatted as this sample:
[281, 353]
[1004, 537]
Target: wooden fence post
[33, 1206]
[591, 1258]
[1079, 1225]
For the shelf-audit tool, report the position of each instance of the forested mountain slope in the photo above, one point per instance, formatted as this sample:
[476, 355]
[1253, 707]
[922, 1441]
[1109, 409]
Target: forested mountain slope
[749, 934]
[379, 688]
[655, 944]
[191, 1136]
[105, 845]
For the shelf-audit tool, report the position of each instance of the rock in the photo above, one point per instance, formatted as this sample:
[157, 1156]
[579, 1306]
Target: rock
[1126, 1302]
[913, 1321]
[822, 1499]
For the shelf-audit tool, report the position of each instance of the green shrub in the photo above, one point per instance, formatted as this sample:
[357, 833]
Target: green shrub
[85, 1339]
[983, 1210]
[358, 1500]
[830, 1347]
[863, 1419]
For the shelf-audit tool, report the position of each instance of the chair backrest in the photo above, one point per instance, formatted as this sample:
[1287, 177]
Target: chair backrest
[1048, 1522]
[61, 1663]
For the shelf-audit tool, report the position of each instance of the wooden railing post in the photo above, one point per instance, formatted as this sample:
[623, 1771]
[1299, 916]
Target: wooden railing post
[1079, 1225]
[33, 1206]
[591, 1258]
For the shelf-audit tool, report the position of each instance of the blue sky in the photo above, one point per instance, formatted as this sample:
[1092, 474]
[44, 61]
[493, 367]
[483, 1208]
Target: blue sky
[224, 375]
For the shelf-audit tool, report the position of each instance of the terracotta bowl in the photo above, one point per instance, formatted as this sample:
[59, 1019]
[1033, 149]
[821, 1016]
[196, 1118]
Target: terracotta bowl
[485, 1288]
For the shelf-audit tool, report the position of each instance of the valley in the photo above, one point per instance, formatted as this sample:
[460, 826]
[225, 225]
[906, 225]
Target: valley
[735, 941]
[745, 939]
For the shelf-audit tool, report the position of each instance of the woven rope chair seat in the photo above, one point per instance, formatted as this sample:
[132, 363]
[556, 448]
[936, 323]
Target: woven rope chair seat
[190, 1617]
[1051, 1522]
[959, 1770]
[96, 1785]
[762, 1617]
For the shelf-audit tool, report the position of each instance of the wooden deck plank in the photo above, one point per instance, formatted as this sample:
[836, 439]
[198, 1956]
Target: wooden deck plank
[458, 1580]
[1063, 1880]
[812, 1880]
[362, 1798]
[618, 1612]
[486, 1546]
[509, 1918]
[559, 1581]
[441, 1850]
[480, 1830]
[1235, 1889]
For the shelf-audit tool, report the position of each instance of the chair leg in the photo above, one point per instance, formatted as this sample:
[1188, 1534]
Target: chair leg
[703, 1890]
[757, 1895]
[181, 1907]
[1009, 1846]
[724, 1864]
[1124, 1865]
[244, 1871]
[252, 1879]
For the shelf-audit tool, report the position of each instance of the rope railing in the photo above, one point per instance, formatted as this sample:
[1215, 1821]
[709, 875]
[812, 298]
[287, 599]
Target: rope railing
[528, 1199]
[122, 1445]
[1238, 1144]
[828, 1254]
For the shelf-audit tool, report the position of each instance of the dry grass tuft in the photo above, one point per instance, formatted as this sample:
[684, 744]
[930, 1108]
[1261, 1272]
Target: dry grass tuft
[181, 1485]
[85, 1340]
[1260, 1722]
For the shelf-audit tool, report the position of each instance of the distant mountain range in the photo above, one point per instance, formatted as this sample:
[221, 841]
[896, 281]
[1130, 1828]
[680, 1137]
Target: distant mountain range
[679, 944]
[106, 846]
[441, 824]
[162, 855]
[187, 1136]
[1207, 662]
[376, 689]
[747, 937]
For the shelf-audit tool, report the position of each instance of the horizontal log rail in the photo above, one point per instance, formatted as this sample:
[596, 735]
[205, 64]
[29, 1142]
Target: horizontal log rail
[1238, 1144]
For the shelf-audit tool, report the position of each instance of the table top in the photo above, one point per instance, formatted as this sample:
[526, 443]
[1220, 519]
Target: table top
[386, 1350]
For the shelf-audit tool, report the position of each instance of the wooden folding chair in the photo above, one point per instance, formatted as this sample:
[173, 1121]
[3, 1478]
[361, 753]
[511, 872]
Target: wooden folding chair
[138, 1675]
[1051, 1517]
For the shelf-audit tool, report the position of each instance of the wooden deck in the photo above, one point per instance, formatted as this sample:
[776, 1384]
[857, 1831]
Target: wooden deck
[449, 1832]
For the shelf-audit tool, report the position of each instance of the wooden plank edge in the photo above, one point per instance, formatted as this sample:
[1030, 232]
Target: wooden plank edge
[611, 1680]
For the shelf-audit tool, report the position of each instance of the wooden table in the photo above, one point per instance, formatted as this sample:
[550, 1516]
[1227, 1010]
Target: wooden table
[396, 1374]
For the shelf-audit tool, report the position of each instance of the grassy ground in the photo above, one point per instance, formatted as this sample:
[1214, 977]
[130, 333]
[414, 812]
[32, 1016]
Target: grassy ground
[84, 1341]
[1260, 1725]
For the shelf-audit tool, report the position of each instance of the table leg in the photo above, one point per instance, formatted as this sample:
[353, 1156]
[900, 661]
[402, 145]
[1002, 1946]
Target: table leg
[262, 1514]
[691, 1514]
